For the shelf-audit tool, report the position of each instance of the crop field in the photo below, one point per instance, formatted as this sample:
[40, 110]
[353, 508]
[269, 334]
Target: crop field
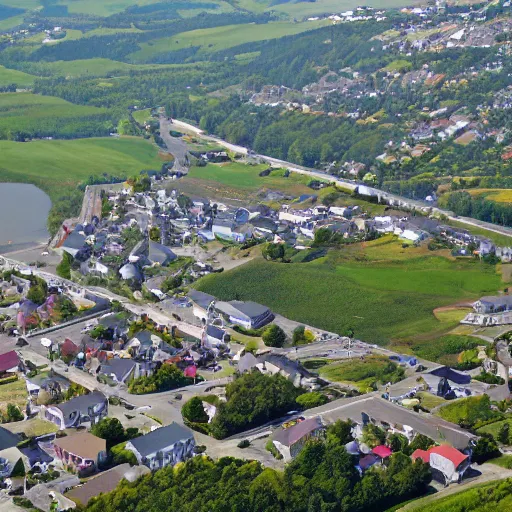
[12, 76]
[54, 165]
[219, 38]
[391, 300]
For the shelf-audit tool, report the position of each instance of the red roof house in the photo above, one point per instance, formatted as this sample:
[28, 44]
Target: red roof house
[447, 460]
[9, 361]
[382, 451]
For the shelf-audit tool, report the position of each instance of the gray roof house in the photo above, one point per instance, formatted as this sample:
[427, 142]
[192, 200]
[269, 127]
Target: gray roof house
[249, 315]
[160, 254]
[493, 304]
[201, 302]
[214, 336]
[119, 370]
[164, 446]
[290, 441]
[84, 409]
[74, 242]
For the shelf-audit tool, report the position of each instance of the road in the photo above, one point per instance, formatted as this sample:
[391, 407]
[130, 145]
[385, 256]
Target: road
[175, 145]
[391, 199]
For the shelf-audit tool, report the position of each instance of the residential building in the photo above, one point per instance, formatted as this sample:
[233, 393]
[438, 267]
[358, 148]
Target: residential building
[448, 461]
[106, 482]
[249, 315]
[165, 446]
[214, 336]
[493, 304]
[10, 363]
[201, 304]
[290, 441]
[119, 370]
[81, 451]
[81, 410]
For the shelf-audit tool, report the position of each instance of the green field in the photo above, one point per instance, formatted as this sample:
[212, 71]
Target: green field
[497, 238]
[383, 300]
[494, 428]
[365, 374]
[12, 76]
[213, 39]
[54, 165]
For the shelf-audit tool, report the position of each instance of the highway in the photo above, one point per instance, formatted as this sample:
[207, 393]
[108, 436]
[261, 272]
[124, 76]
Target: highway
[391, 199]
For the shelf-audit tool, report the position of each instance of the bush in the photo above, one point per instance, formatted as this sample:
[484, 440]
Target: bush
[14, 413]
[111, 430]
[167, 377]
[121, 455]
[489, 378]
[194, 412]
[313, 399]
[64, 267]
[273, 450]
[244, 443]
[274, 336]
[485, 449]
[7, 380]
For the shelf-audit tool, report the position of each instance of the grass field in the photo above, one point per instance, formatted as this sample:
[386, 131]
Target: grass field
[468, 410]
[494, 428]
[365, 374]
[54, 165]
[13, 393]
[9, 23]
[382, 293]
[12, 76]
[505, 461]
[219, 38]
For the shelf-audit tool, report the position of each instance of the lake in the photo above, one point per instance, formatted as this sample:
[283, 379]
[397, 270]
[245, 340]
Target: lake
[23, 212]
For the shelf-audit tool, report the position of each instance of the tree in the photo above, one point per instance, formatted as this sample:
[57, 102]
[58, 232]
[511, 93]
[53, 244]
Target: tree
[154, 233]
[193, 411]
[504, 433]
[298, 335]
[111, 430]
[273, 251]
[37, 294]
[373, 436]
[14, 413]
[340, 432]
[313, 399]
[485, 449]
[64, 267]
[274, 336]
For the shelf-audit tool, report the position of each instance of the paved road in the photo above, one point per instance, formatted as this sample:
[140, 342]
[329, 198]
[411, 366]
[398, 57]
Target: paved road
[350, 185]
[175, 145]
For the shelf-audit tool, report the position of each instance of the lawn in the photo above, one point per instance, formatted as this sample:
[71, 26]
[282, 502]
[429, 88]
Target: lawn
[365, 374]
[494, 428]
[141, 116]
[218, 38]
[55, 164]
[12, 76]
[245, 178]
[13, 393]
[33, 427]
[505, 461]
[469, 411]
[430, 401]
[391, 299]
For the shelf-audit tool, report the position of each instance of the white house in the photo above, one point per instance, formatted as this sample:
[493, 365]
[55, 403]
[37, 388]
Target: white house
[165, 446]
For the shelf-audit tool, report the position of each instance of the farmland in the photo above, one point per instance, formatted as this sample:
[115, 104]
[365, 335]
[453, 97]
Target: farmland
[12, 76]
[219, 38]
[386, 300]
[56, 165]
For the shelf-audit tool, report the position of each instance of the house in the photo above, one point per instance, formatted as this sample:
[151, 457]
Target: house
[106, 482]
[9, 458]
[81, 451]
[249, 315]
[160, 254]
[225, 227]
[448, 461]
[84, 409]
[10, 362]
[74, 242]
[201, 304]
[290, 441]
[214, 336]
[292, 370]
[119, 370]
[493, 304]
[8, 439]
[164, 446]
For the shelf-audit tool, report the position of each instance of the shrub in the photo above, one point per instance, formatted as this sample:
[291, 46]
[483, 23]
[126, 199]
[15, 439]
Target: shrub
[274, 336]
[273, 450]
[485, 449]
[64, 267]
[14, 413]
[194, 412]
[7, 380]
[313, 399]
[120, 455]
[489, 378]
[244, 443]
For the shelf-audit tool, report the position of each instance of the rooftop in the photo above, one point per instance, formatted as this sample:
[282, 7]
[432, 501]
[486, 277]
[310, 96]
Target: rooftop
[161, 438]
[83, 444]
[289, 436]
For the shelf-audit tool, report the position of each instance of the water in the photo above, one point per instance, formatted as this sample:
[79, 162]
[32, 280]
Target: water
[23, 212]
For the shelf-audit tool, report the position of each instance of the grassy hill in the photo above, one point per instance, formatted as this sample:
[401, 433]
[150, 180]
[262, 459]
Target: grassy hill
[218, 38]
[382, 291]
[12, 76]
[55, 165]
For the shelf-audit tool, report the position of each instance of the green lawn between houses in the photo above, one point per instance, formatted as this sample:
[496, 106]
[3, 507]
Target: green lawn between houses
[383, 300]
